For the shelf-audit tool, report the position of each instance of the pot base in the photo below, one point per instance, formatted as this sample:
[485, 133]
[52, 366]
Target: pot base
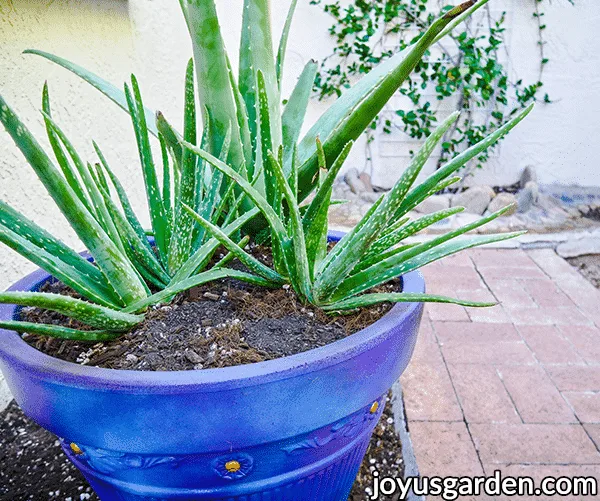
[328, 459]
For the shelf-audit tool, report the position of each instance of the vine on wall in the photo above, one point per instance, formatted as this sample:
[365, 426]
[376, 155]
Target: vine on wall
[465, 67]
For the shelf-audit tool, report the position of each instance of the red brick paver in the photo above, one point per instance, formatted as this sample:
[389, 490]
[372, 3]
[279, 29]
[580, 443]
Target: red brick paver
[514, 388]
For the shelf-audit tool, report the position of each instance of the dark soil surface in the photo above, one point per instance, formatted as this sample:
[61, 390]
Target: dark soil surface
[223, 324]
[34, 468]
[588, 266]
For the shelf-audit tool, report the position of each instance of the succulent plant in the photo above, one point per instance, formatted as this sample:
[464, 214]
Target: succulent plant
[375, 250]
[247, 172]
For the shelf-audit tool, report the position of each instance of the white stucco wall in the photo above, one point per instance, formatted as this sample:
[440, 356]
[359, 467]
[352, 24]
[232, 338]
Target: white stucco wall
[148, 37]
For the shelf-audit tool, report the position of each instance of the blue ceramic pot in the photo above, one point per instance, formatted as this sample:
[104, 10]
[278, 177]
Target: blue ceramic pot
[296, 428]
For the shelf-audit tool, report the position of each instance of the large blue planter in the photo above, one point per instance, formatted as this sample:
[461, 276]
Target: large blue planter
[295, 428]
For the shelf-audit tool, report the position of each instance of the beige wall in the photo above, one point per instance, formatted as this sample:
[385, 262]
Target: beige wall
[115, 37]
[98, 35]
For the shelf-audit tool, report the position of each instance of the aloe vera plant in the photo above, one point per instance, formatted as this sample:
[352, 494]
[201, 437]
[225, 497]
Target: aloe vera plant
[128, 273]
[375, 251]
[246, 168]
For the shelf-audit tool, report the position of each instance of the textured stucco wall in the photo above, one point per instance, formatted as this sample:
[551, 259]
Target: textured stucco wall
[115, 37]
[560, 139]
[95, 33]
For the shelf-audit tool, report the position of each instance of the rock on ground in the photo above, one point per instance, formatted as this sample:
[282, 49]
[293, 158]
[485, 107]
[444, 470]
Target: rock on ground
[475, 200]
[528, 196]
[353, 180]
[433, 204]
[366, 180]
[502, 200]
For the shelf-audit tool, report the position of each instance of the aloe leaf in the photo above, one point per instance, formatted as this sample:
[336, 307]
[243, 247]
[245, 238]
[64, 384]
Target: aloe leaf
[27, 229]
[248, 260]
[266, 141]
[229, 257]
[419, 193]
[228, 201]
[233, 211]
[200, 171]
[293, 179]
[256, 54]
[243, 121]
[294, 247]
[212, 197]
[104, 217]
[213, 191]
[444, 250]
[195, 281]
[181, 240]
[99, 292]
[246, 186]
[113, 263]
[271, 186]
[349, 251]
[109, 90]
[467, 11]
[203, 255]
[88, 181]
[153, 194]
[137, 246]
[416, 257]
[70, 174]
[212, 73]
[357, 228]
[123, 199]
[59, 332]
[407, 230]
[167, 183]
[169, 136]
[284, 42]
[316, 217]
[295, 109]
[323, 194]
[82, 311]
[355, 110]
[432, 189]
[371, 299]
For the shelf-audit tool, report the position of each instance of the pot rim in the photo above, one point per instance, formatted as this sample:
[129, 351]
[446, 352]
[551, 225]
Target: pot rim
[14, 350]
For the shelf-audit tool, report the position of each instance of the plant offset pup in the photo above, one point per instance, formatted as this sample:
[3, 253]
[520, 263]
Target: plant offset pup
[247, 161]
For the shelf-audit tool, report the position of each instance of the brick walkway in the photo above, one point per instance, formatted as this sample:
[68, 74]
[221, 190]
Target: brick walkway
[515, 388]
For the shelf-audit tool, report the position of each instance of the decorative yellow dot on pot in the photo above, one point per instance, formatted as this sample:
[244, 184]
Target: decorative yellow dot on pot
[76, 449]
[233, 466]
[374, 407]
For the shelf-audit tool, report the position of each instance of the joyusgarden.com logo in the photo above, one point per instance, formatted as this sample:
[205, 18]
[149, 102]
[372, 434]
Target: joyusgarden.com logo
[451, 488]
